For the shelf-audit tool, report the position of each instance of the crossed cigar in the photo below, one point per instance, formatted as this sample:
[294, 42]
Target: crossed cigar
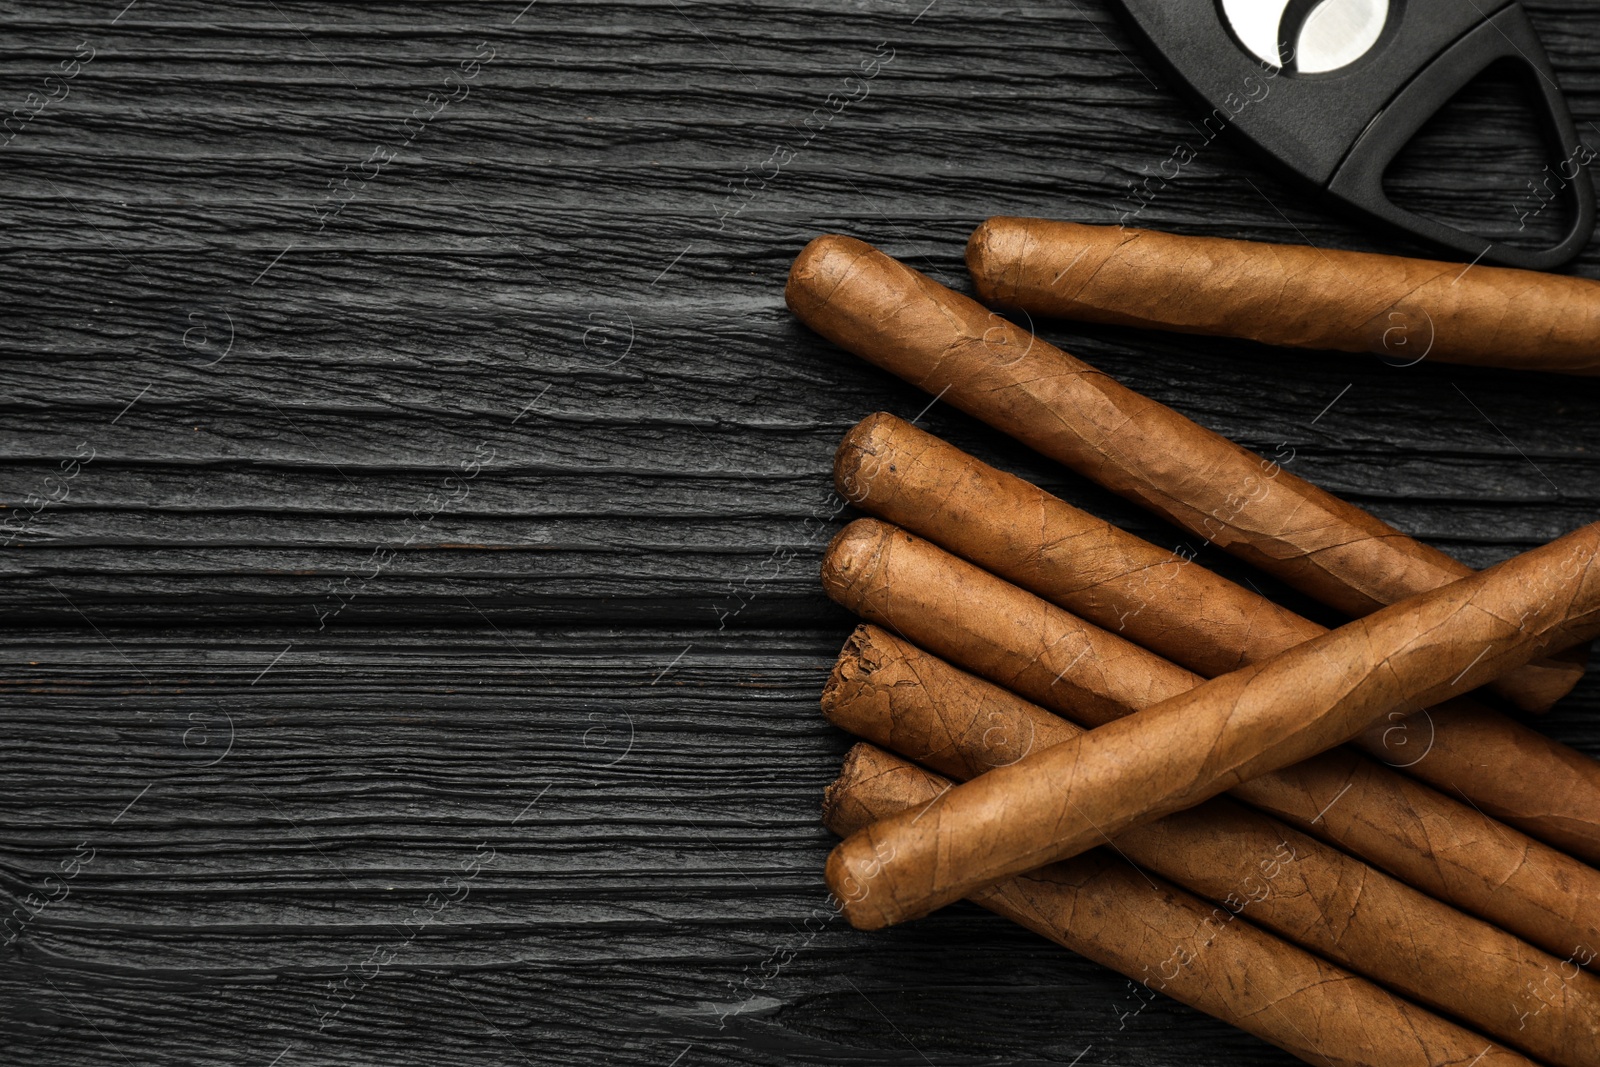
[1010, 605]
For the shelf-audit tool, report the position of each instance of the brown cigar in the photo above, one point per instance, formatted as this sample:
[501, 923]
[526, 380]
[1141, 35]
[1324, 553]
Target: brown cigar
[1403, 309]
[953, 347]
[1188, 748]
[890, 693]
[1171, 942]
[1180, 610]
[985, 625]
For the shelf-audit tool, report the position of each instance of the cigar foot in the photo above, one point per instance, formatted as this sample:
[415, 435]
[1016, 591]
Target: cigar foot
[857, 661]
[842, 809]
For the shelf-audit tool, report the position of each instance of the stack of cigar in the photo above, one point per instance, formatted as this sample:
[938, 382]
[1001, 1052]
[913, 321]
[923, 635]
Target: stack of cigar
[1312, 834]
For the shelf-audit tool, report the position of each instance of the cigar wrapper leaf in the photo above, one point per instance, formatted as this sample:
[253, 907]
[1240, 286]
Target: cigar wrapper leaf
[889, 692]
[1194, 745]
[1100, 907]
[954, 348]
[1178, 609]
[1290, 295]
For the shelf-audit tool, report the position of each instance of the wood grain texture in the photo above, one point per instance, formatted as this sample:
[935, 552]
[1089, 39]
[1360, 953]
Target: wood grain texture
[550, 283]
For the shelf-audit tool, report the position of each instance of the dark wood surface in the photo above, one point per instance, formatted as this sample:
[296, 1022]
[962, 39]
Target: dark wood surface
[465, 541]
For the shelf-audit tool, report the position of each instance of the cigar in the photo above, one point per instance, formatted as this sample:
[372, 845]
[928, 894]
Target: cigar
[892, 694]
[1176, 608]
[1292, 295]
[1428, 840]
[1171, 942]
[1188, 748]
[955, 348]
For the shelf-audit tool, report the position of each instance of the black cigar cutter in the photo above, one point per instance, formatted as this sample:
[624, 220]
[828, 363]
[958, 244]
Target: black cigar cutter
[1334, 89]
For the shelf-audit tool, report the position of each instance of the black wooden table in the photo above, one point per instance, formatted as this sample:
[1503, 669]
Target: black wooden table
[416, 488]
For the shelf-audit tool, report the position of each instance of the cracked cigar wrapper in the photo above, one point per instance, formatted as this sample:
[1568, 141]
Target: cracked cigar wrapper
[952, 346]
[1178, 609]
[985, 625]
[893, 694]
[1100, 907]
[1291, 295]
[1188, 748]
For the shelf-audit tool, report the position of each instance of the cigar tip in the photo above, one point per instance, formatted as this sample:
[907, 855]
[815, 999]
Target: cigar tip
[853, 894]
[991, 249]
[851, 473]
[819, 269]
[850, 553]
[978, 247]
